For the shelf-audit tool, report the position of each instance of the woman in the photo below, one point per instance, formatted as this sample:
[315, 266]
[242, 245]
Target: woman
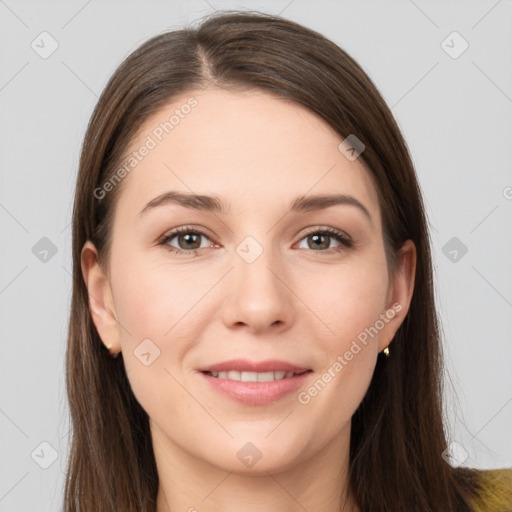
[249, 235]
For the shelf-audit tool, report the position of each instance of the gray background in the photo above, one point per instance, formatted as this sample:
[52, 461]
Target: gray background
[455, 114]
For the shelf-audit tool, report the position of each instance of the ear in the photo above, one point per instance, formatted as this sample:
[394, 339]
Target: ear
[400, 292]
[101, 303]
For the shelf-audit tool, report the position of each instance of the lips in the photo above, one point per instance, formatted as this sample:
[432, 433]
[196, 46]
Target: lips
[244, 365]
[255, 383]
[256, 393]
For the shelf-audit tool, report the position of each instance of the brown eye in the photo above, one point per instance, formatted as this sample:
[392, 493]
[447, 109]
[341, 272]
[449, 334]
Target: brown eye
[321, 241]
[187, 240]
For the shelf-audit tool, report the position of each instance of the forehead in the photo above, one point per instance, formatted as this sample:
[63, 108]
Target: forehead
[247, 147]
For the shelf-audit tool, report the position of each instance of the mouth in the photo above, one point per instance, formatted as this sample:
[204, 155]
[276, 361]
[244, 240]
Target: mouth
[242, 376]
[255, 383]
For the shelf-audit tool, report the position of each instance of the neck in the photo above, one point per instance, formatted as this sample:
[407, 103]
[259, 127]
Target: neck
[320, 482]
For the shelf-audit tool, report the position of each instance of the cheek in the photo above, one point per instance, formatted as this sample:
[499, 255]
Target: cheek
[350, 306]
[155, 305]
[348, 299]
[152, 299]
[162, 310]
[350, 310]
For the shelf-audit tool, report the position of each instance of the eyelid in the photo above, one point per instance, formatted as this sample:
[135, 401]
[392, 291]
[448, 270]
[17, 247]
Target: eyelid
[326, 229]
[184, 229]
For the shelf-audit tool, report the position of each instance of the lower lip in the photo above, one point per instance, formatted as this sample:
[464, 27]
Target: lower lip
[257, 393]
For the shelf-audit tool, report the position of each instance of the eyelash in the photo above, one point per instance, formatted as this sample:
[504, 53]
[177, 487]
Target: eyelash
[342, 238]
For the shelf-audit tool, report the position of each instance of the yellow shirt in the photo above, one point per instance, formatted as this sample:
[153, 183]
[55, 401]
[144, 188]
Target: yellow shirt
[496, 495]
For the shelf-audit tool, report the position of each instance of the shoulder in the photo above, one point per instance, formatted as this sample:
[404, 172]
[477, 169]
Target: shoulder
[495, 490]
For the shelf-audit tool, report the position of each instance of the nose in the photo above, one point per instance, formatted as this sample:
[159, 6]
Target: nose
[259, 295]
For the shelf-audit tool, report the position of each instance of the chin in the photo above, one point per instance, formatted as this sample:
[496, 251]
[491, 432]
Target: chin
[256, 457]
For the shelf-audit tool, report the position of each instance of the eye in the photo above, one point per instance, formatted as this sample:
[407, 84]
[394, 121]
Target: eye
[188, 240]
[320, 240]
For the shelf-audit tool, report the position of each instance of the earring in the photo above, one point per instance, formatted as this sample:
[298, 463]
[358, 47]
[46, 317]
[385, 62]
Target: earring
[386, 351]
[108, 348]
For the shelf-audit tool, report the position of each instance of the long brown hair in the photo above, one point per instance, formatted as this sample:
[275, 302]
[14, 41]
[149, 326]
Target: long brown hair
[398, 435]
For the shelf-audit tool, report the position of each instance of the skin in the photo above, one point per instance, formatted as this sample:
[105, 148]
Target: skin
[294, 302]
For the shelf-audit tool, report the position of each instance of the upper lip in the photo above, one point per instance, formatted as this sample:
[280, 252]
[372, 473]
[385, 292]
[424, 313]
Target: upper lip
[244, 365]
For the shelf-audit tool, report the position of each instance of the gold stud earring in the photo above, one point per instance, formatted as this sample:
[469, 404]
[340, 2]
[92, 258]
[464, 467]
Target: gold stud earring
[386, 351]
[108, 348]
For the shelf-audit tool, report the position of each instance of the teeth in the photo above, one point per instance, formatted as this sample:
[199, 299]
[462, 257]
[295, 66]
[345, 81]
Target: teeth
[266, 376]
[252, 376]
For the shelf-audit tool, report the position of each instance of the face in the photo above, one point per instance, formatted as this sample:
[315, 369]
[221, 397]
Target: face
[293, 284]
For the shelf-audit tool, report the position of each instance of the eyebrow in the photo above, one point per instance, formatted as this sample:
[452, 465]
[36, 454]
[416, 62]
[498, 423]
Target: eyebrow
[301, 204]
